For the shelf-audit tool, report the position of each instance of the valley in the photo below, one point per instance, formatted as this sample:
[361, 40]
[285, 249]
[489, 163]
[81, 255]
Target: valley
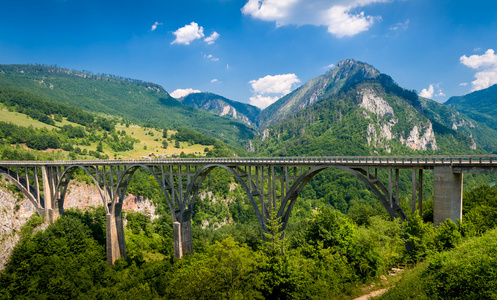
[340, 237]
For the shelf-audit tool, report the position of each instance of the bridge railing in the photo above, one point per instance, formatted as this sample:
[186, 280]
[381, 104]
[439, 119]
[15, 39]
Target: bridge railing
[298, 160]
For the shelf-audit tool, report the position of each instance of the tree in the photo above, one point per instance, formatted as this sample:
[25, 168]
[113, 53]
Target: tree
[164, 144]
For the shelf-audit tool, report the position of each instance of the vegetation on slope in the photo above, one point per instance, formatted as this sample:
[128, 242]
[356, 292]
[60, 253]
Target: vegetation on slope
[480, 105]
[134, 100]
[31, 122]
[327, 255]
[484, 136]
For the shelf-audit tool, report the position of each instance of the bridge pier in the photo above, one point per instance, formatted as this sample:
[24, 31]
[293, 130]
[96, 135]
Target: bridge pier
[51, 212]
[448, 195]
[183, 243]
[178, 245]
[115, 245]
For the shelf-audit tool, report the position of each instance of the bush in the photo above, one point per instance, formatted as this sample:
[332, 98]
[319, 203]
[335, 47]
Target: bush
[467, 272]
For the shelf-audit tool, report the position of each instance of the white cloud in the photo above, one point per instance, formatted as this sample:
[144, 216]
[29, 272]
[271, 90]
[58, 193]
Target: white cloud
[331, 66]
[489, 59]
[402, 26]
[463, 84]
[432, 91]
[270, 88]
[215, 80]
[188, 33]
[211, 57]
[154, 26]
[183, 92]
[269, 10]
[486, 64]
[427, 93]
[277, 84]
[262, 101]
[341, 23]
[339, 16]
[212, 38]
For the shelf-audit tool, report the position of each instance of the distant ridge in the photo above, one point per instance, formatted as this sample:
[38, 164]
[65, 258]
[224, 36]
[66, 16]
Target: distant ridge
[135, 100]
[221, 106]
[480, 105]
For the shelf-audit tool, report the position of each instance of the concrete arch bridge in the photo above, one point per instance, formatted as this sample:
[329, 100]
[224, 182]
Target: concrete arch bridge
[270, 183]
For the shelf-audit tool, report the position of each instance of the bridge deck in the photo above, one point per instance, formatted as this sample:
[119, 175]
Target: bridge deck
[462, 162]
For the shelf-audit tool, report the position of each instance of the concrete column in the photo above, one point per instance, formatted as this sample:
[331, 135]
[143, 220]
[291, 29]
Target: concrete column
[50, 215]
[178, 245]
[115, 244]
[186, 236]
[448, 188]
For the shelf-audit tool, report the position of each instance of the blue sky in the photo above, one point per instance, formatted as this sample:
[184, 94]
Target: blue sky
[255, 51]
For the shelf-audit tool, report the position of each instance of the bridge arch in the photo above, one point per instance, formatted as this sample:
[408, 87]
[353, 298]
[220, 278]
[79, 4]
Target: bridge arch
[63, 182]
[124, 180]
[27, 189]
[393, 209]
[288, 201]
[194, 186]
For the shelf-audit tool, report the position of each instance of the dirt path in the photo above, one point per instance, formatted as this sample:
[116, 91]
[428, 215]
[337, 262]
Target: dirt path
[372, 294]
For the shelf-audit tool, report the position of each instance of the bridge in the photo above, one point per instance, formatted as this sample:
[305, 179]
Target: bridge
[272, 184]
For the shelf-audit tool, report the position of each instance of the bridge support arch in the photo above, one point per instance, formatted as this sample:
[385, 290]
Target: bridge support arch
[277, 188]
[272, 184]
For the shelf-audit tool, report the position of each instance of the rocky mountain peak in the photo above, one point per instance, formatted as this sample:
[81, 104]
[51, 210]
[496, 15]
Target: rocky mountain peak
[345, 74]
[349, 68]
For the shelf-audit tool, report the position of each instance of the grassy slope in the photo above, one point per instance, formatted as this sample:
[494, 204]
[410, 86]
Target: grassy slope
[137, 101]
[137, 132]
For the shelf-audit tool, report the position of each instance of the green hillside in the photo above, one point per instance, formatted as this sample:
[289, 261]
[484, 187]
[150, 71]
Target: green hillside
[484, 136]
[35, 128]
[134, 100]
[480, 105]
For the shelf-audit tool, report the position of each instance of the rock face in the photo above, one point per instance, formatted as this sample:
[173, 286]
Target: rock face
[375, 104]
[14, 213]
[82, 196]
[421, 135]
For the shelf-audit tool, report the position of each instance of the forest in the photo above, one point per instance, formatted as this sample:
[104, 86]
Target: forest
[325, 253]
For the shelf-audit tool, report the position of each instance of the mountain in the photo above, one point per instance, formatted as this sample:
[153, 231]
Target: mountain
[356, 110]
[345, 74]
[223, 107]
[483, 135]
[134, 100]
[480, 105]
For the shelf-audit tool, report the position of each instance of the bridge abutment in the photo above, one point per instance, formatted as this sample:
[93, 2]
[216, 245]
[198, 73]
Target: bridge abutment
[115, 245]
[447, 198]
